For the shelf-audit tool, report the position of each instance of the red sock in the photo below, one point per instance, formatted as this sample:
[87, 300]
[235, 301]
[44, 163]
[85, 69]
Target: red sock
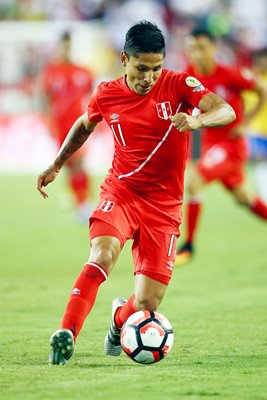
[193, 213]
[124, 312]
[259, 208]
[79, 184]
[83, 297]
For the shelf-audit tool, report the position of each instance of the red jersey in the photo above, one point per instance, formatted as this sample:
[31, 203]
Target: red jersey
[150, 154]
[228, 83]
[66, 85]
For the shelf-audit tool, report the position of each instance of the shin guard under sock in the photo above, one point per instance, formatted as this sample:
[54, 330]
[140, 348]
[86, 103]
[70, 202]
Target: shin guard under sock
[83, 296]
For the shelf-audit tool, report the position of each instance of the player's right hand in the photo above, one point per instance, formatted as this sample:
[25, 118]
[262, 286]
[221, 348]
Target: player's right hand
[44, 179]
[184, 122]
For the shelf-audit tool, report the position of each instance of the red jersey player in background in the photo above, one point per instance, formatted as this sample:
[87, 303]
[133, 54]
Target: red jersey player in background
[224, 152]
[149, 111]
[65, 86]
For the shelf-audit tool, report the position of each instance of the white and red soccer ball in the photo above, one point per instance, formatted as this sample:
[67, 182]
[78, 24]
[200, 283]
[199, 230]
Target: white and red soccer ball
[147, 337]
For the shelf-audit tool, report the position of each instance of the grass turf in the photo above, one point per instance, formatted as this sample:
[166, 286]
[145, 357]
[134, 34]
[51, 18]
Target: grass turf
[217, 305]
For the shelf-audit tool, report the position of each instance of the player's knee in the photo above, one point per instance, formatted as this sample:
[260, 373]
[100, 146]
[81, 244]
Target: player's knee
[242, 199]
[104, 255]
[194, 185]
[188, 188]
[145, 303]
[243, 195]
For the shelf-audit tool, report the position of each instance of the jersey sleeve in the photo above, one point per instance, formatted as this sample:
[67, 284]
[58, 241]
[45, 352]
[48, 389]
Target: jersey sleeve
[193, 90]
[93, 111]
[243, 79]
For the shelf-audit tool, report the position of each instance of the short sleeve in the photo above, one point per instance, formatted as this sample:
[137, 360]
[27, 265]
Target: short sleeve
[93, 111]
[243, 79]
[193, 91]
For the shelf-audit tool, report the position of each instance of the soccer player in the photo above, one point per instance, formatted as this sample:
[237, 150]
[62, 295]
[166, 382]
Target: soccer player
[64, 86]
[149, 113]
[223, 150]
[257, 129]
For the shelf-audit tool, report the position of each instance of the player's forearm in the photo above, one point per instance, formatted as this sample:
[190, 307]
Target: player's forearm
[214, 116]
[76, 137]
[215, 112]
[218, 116]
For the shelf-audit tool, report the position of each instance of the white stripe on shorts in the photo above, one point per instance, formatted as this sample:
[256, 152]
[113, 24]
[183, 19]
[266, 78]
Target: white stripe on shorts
[171, 245]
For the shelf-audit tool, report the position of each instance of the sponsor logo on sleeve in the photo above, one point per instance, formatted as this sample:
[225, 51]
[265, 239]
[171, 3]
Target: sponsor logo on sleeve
[193, 82]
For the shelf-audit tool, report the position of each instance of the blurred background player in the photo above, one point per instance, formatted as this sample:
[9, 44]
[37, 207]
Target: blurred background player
[65, 89]
[223, 150]
[257, 129]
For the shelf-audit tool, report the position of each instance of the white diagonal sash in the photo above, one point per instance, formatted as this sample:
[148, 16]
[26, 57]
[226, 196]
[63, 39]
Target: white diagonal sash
[153, 152]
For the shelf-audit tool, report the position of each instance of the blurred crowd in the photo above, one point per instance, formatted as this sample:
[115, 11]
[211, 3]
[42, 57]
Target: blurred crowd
[240, 19]
[30, 29]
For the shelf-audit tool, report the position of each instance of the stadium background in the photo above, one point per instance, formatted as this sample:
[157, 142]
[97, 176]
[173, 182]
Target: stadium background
[29, 30]
[217, 305]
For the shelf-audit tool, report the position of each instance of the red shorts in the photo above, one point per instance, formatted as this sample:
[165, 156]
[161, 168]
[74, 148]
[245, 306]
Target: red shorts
[220, 162]
[126, 215]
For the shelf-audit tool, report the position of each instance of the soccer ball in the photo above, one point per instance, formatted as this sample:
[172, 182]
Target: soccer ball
[147, 337]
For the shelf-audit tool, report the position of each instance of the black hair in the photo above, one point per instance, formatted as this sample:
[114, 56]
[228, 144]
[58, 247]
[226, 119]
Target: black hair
[198, 31]
[144, 37]
[66, 36]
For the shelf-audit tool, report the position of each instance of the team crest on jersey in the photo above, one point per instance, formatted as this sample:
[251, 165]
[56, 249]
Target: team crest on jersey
[192, 82]
[107, 206]
[164, 109]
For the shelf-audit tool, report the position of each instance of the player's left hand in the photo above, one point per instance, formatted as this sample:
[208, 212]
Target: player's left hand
[184, 122]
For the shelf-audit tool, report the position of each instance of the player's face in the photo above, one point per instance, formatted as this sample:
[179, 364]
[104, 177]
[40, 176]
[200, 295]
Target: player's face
[200, 52]
[142, 71]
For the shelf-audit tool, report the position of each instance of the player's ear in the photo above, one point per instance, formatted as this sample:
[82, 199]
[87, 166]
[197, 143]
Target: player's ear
[124, 58]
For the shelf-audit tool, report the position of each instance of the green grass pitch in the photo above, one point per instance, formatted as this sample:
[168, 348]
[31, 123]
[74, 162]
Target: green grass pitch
[217, 306]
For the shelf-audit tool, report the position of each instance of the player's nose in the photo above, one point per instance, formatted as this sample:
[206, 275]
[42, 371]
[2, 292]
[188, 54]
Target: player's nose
[148, 77]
